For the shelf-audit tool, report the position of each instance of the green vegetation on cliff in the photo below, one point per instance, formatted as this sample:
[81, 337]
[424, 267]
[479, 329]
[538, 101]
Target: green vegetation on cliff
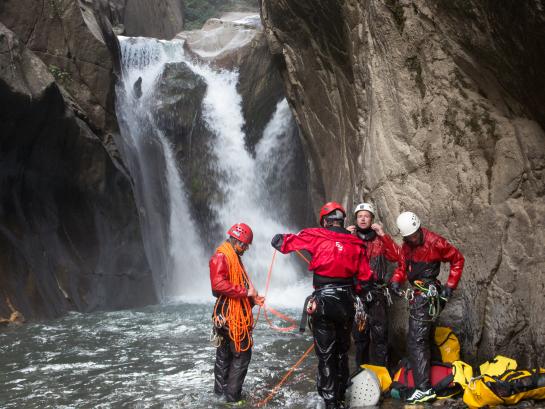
[196, 12]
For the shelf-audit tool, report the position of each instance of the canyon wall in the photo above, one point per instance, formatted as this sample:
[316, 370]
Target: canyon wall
[436, 107]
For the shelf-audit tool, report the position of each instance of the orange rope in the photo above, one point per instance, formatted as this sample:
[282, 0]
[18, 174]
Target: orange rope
[280, 315]
[302, 256]
[272, 310]
[237, 312]
[275, 390]
[267, 285]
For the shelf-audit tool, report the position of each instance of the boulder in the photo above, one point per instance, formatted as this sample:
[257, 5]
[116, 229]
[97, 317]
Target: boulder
[179, 115]
[436, 107]
[56, 32]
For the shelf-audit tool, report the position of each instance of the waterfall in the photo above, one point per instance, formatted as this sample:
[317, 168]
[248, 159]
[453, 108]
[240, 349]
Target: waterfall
[245, 180]
[250, 186]
[159, 191]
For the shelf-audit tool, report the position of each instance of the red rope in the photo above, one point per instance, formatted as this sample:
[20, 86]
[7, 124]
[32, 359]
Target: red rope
[275, 390]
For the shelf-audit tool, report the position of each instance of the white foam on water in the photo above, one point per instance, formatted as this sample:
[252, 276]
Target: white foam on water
[166, 241]
[173, 246]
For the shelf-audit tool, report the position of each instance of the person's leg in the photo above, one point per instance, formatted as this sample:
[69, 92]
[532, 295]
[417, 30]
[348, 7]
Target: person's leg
[343, 345]
[324, 346]
[221, 366]
[237, 374]
[418, 345]
[378, 328]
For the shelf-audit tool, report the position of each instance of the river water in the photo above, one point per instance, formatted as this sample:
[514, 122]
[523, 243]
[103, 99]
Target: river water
[154, 357]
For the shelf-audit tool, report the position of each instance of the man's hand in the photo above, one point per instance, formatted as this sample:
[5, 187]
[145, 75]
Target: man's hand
[277, 241]
[351, 229]
[259, 300]
[396, 288]
[446, 293]
[378, 229]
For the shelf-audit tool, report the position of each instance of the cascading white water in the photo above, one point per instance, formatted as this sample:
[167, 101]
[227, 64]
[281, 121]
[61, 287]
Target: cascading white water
[245, 178]
[275, 157]
[160, 194]
[172, 244]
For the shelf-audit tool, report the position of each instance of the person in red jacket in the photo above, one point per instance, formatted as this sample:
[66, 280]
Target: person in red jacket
[372, 341]
[423, 252]
[233, 318]
[339, 263]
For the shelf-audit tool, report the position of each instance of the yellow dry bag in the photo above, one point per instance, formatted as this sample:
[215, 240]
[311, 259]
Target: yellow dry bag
[448, 344]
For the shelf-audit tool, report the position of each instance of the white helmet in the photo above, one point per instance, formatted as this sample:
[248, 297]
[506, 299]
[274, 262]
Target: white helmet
[364, 389]
[407, 223]
[365, 206]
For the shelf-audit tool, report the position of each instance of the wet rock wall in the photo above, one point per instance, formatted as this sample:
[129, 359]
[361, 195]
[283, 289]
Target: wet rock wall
[436, 107]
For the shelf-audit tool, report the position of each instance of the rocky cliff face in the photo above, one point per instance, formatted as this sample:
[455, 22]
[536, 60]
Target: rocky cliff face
[436, 107]
[145, 18]
[69, 228]
[236, 41]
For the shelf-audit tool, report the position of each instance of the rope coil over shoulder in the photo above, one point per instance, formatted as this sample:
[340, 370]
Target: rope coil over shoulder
[235, 312]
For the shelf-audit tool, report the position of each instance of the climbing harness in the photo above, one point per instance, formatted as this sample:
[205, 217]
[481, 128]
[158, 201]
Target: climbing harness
[215, 338]
[431, 292]
[388, 295]
[361, 316]
[219, 321]
[309, 307]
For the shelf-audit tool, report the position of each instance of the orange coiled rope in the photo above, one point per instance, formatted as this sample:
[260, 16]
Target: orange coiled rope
[237, 312]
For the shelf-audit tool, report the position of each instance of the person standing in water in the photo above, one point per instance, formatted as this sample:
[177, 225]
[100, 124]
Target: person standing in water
[232, 316]
[338, 262]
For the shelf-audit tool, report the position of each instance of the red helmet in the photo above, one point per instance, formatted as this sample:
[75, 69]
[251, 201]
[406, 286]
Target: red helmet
[330, 207]
[241, 232]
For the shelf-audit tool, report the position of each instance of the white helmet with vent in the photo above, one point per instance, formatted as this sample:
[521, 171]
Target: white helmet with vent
[364, 389]
[365, 206]
[407, 223]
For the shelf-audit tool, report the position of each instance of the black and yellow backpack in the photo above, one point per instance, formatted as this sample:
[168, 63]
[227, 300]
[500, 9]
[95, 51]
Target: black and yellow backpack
[499, 383]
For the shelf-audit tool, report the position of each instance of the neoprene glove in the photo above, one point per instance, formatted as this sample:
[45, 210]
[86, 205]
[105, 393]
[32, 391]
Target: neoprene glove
[446, 292]
[396, 288]
[277, 241]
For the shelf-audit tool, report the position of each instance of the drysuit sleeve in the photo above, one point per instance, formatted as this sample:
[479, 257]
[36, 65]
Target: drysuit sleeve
[400, 273]
[452, 255]
[286, 243]
[393, 253]
[219, 279]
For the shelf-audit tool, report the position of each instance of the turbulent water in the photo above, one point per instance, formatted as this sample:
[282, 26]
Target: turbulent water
[156, 357]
